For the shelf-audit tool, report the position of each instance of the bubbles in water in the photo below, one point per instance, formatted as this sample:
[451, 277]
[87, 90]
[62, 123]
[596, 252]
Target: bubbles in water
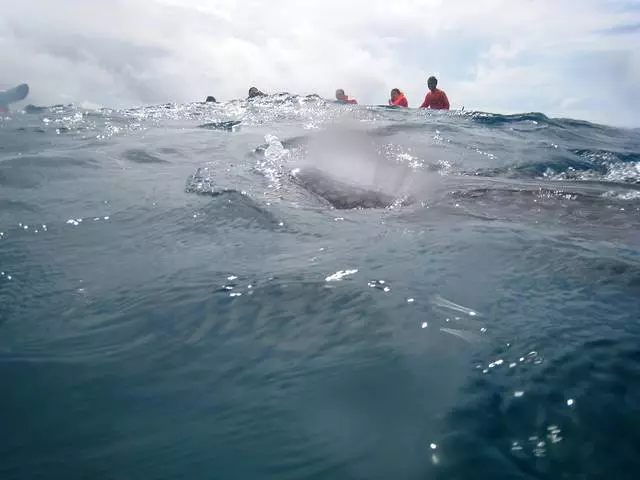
[464, 335]
[531, 357]
[380, 285]
[632, 195]
[554, 434]
[410, 160]
[540, 449]
[275, 155]
[623, 172]
[442, 302]
[340, 274]
[495, 364]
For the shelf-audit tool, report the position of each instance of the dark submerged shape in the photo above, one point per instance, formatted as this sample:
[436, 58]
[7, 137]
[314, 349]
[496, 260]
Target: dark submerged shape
[174, 304]
[342, 195]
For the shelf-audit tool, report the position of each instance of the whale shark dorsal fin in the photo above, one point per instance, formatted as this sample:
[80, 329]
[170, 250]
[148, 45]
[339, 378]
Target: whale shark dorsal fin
[14, 94]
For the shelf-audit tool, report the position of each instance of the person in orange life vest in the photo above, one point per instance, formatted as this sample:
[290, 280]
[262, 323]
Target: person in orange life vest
[436, 98]
[398, 98]
[342, 98]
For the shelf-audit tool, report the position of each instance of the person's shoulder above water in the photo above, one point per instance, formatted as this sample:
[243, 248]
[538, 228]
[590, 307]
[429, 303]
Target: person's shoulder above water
[254, 92]
[436, 98]
[342, 98]
[398, 98]
[211, 98]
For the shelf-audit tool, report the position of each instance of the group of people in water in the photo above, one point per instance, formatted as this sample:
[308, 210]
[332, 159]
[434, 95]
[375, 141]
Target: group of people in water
[435, 99]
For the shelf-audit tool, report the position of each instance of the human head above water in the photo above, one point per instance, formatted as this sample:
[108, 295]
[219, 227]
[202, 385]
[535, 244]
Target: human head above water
[254, 92]
[395, 93]
[211, 98]
[432, 83]
[340, 94]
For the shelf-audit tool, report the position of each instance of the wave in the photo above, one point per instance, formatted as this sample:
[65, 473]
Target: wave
[369, 139]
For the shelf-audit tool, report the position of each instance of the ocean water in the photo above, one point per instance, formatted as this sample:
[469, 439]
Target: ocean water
[293, 289]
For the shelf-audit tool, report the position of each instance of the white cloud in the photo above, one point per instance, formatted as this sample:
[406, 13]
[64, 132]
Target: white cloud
[559, 57]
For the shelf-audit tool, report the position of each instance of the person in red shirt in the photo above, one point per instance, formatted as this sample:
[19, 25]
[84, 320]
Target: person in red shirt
[342, 98]
[398, 98]
[436, 98]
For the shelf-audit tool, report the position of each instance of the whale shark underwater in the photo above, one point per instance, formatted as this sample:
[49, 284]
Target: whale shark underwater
[343, 195]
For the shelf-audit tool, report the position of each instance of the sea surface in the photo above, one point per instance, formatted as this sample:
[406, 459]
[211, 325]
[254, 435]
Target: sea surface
[293, 289]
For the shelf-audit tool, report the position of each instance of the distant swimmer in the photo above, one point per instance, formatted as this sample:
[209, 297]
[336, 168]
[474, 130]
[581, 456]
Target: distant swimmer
[342, 98]
[436, 98]
[398, 98]
[211, 98]
[254, 92]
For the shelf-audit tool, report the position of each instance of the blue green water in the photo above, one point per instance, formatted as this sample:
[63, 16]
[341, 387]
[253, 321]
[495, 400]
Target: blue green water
[175, 303]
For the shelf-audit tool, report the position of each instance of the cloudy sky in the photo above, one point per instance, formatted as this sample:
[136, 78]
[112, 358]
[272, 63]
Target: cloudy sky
[574, 58]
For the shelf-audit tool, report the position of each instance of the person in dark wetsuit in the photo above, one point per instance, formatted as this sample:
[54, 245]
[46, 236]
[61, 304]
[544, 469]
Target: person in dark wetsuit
[436, 98]
[210, 98]
[254, 92]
